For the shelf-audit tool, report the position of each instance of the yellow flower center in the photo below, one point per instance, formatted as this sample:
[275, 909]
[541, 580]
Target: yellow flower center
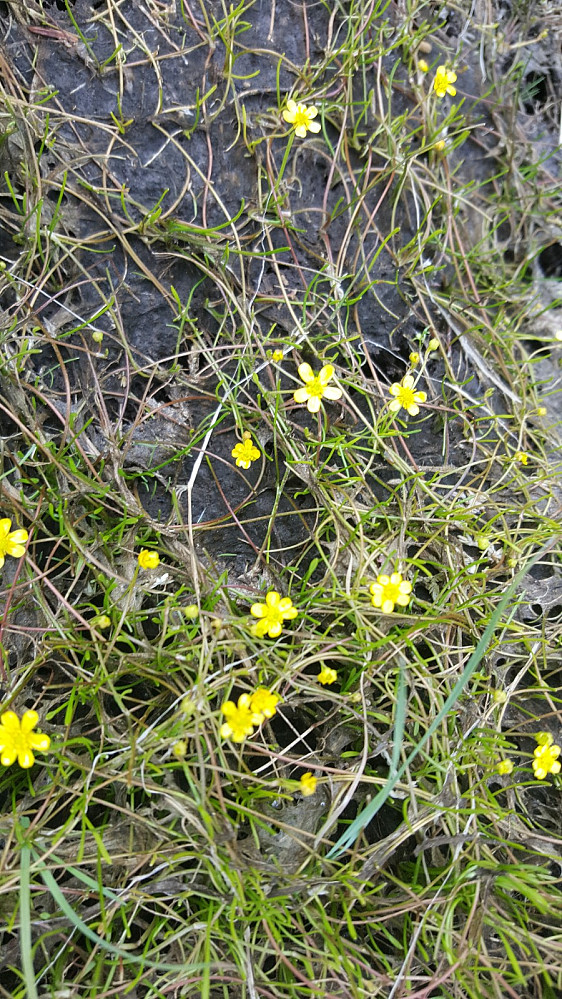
[407, 397]
[302, 118]
[315, 388]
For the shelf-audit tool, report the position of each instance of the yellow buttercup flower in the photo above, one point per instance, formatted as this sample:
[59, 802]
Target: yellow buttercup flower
[433, 344]
[148, 559]
[17, 740]
[11, 542]
[405, 397]
[245, 451]
[443, 82]
[422, 65]
[179, 749]
[240, 719]
[546, 761]
[327, 675]
[414, 358]
[302, 117]
[505, 767]
[277, 356]
[390, 590]
[316, 386]
[273, 613]
[308, 784]
[263, 703]
[522, 457]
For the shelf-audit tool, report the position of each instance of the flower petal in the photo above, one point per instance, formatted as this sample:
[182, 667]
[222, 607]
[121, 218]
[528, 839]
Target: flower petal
[306, 372]
[9, 756]
[10, 722]
[26, 758]
[326, 373]
[5, 525]
[301, 395]
[313, 404]
[258, 610]
[39, 741]
[29, 720]
[333, 393]
[300, 130]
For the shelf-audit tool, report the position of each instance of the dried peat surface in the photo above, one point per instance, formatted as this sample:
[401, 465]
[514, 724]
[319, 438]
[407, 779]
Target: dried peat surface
[280, 410]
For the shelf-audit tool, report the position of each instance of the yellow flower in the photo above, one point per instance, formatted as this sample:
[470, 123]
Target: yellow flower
[245, 452]
[308, 784]
[542, 411]
[390, 590]
[101, 621]
[522, 457]
[544, 739]
[327, 675]
[316, 387]
[443, 82]
[277, 356]
[17, 741]
[301, 117]
[505, 767]
[272, 614]
[405, 396]
[240, 719]
[439, 145]
[422, 65]
[263, 703]
[191, 612]
[414, 358]
[97, 335]
[148, 559]
[546, 761]
[179, 749]
[433, 344]
[11, 542]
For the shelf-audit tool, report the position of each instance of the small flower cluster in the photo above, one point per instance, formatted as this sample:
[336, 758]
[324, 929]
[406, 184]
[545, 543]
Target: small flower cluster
[250, 711]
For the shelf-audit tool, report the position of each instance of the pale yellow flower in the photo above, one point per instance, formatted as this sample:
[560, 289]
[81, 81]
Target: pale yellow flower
[316, 386]
[302, 117]
[277, 356]
[443, 82]
[405, 396]
[522, 457]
